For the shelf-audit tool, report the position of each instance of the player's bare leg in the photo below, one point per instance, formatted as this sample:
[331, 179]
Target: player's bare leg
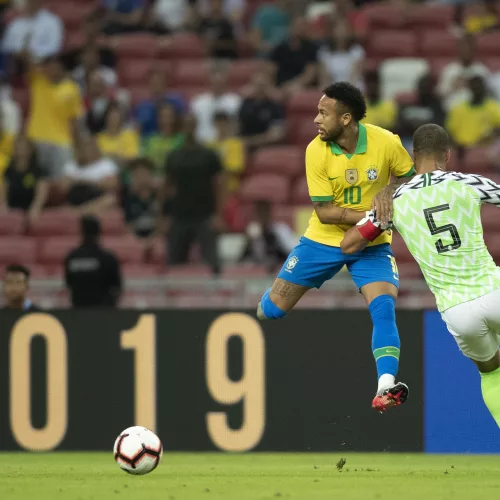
[280, 299]
[381, 299]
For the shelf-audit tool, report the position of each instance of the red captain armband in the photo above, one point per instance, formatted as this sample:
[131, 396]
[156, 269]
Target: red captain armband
[369, 230]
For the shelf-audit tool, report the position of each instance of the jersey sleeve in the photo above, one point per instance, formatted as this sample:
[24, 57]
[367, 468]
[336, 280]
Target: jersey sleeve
[487, 190]
[400, 161]
[318, 184]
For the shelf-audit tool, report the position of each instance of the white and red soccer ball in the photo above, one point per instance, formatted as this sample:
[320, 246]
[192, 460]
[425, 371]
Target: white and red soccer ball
[138, 450]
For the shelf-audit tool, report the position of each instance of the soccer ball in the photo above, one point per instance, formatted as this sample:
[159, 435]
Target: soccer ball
[137, 450]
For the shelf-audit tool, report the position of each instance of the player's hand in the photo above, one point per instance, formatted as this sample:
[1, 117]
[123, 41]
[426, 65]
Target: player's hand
[382, 205]
[371, 216]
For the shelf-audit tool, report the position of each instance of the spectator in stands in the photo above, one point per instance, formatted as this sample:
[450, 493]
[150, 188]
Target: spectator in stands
[168, 138]
[92, 274]
[295, 60]
[91, 181]
[270, 26]
[25, 185]
[38, 32]
[342, 57]
[427, 108]
[234, 10]
[123, 16]
[90, 61]
[55, 119]
[484, 17]
[170, 16]
[139, 201]
[118, 141]
[217, 32]
[231, 150]
[268, 242]
[218, 98]
[16, 284]
[380, 112]
[475, 121]
[453, 84]
[9, 109]
[6, 146]
[261, 115]
[196, 187]
[98, 100]
[146, 113]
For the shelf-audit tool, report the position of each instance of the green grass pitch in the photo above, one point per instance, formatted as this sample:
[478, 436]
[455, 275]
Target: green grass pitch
[183, 476]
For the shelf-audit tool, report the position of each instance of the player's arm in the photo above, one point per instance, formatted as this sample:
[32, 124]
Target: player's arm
[401, 166]
[358, 236]
[321, 192]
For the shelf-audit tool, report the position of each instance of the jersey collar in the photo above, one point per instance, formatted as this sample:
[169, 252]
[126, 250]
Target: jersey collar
[360, 146]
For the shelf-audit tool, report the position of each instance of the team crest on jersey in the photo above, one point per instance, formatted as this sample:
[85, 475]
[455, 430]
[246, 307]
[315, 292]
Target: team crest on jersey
[372, 173]
[292, 262]
[351, 175]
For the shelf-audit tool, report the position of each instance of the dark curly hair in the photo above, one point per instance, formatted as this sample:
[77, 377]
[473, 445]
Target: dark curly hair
[350, 97]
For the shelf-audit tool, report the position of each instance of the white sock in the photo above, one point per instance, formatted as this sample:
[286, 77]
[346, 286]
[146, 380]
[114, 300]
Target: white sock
[385, 381]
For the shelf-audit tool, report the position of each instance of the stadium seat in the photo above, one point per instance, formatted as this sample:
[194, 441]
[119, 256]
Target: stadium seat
[382, 17]
[141, 271]
[301, 129]
[241, 72]
[400, 250]
[492, 63]
[73, 13]
[409, 271]
[430, 16]
[435, 43]
[304, 103]
[489, 216]
[112, 223]
[492, 241]
[245, 271]
[285, 214]
[127, 249]
[191, 73]
[272, 187]
[18, 250]
[401, 75]
[159, 252]
[54, 250]
[488, 44]
[12, 223]
[56, 222]
[286, 160]
[392, 43]
[300, 193]
[476, 160]
[139, 93]
[183, 46]
[437, 64]
[134, 71]
[189, 271]
[135, 45]
[406, 98]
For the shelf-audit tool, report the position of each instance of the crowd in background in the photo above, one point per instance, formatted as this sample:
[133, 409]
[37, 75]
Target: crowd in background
[174, 165]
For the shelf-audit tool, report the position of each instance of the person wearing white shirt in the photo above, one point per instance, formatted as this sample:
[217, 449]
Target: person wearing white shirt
[453, 82]
[218, 100]
[171, 15]
[38, 30]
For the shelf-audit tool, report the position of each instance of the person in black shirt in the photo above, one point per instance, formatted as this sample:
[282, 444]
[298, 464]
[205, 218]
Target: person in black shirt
[261, 115]
[25, 185]
[16, 287]
[92, 274]
[295, 60]
[218, 32]
[194, 204]
[139, 199]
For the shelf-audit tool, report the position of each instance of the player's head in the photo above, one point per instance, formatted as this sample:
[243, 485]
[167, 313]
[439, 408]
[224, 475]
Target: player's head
[90, 228]
[478, 88]
[431, 143]
[341, 106]
[16, 285]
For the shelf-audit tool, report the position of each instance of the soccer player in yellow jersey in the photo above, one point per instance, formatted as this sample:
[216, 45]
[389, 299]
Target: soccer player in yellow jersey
[347, 164]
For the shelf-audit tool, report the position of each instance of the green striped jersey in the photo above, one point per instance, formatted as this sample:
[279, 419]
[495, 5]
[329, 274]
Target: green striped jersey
[438, 214]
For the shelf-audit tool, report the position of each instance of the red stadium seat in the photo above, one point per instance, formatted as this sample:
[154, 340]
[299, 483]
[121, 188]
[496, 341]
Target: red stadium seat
[477, 160]
[304, 103]
[141, 271]
[492, 63]
[406, 98]
[300, 192]
[434, 43]
[431, 16]
[488, 44]
[54, 250]
[245, 271]
[285, 214]
[159, 252]
[302, 130]
[112, 222]
[489, 216]
[438, 64]
[409, 271]
[12, 223]
[492, 241]
[286, 160]
[18, 250]
[135, 45]
[191, 73]
[127, 249]
[56, 222]
[272, 187]
[72, 14]
[383, 16]
[139, 93]
[183, 46]
[134, 71]
[241, 72]
[400, 250]
[391, 43]
[189, 271]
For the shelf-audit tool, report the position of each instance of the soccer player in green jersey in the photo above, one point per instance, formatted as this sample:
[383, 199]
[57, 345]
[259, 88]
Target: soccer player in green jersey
[438, 215]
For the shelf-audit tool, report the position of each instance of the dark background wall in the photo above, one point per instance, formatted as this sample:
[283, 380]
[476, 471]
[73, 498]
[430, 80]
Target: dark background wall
[204, 380]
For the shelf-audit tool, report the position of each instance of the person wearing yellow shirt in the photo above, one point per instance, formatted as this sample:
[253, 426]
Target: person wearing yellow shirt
[475, 121]
[348, 165]
[55, 115]
[6, 147]
[380, 112]
[485, 17]
[118, 141]
[231, 150]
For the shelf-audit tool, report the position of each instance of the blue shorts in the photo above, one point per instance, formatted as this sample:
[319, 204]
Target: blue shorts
[311, 264]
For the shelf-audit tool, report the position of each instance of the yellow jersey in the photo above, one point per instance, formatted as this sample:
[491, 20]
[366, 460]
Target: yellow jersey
[352, 181]
[381, 113]
[6, 148]
[232, 153]
[53, 108]
[125, 144]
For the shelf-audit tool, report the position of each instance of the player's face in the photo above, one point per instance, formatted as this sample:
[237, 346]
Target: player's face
[15, 287]
[330, 123]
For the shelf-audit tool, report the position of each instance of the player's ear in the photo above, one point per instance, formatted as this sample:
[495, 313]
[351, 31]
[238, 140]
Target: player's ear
[346, 119]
